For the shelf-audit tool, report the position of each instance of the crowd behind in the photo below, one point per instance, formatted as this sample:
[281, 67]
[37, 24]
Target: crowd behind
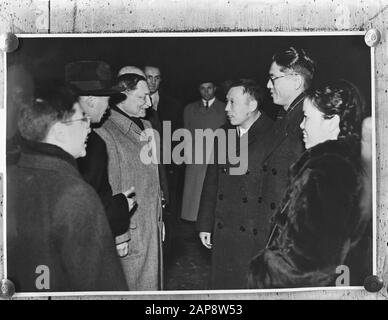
[81, 201]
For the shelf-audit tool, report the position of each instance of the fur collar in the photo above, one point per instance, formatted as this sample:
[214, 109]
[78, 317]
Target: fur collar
[342, 148]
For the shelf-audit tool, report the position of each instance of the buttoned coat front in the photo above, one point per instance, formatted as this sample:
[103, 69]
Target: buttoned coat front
[125, 142]
[320, 225]
[282, 150]
[229, 209]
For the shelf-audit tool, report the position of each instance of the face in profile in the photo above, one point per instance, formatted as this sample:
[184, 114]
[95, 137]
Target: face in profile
[316, 129]
[153, 78]
[207, 90]
[282, 85]
[239, 106]
[137, 100]
[76, 132]
[94, 106]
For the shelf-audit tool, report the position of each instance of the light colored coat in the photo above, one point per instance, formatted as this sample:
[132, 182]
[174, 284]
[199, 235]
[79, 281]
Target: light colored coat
[142, 265]
[196, 116]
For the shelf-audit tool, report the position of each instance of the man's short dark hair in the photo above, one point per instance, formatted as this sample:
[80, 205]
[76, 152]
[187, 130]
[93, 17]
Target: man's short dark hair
[297, 60]
[252, 88]
[150, 64]
[48, 107]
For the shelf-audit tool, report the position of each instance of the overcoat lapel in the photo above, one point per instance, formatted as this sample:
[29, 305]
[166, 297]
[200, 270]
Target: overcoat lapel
[258, 128]
[280, 130]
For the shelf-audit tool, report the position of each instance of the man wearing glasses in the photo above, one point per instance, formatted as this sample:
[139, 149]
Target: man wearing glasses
[290, 75]
[58, 237]
[91, 82]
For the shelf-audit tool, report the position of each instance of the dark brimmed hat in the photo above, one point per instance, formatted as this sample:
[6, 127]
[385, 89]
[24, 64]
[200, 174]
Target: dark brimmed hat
[90, 78]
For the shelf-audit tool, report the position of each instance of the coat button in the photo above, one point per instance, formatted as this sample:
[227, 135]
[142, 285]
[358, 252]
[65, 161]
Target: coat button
[242, 229]
[221, 196]
[260, 200]
[274, 171]
[224, 170]
[219, 225]
[273, 206]
[245, 200]
[255, 232]
[265, 168]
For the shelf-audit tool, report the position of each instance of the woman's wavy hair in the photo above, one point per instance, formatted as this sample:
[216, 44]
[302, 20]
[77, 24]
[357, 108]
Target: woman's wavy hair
[341, 98]
[126, 82]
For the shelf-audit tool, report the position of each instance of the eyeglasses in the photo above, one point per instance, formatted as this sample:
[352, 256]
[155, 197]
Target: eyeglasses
[285, 75]
[85, 119]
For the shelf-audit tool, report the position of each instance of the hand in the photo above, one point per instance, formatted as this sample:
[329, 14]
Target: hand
[205, 239]
[122, 249]
[131, 198]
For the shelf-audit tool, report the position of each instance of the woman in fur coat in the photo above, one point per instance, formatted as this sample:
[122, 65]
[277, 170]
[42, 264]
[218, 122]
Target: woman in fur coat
[321, 224]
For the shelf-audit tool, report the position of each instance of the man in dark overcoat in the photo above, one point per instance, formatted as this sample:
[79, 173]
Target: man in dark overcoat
[91, 82]
[290, 75]
[229, 221]
[58, 236]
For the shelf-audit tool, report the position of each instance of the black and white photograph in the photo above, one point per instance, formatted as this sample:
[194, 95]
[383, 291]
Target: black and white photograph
[214, 162]
[86, 212]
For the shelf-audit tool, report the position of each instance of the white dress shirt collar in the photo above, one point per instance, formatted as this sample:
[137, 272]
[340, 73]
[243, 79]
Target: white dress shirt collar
[211, 101]
[241, 131]
[155, 100]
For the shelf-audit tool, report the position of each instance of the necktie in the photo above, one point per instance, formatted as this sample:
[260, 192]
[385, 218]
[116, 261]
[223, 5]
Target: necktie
[206, 104]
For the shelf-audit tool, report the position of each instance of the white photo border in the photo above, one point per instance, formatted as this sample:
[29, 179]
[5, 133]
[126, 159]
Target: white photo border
[193, 34]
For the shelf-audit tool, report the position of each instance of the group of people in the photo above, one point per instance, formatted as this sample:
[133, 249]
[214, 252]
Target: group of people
[82, 202]
[302, 209]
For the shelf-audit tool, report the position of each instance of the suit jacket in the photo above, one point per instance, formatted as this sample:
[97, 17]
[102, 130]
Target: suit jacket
[170, 109]
[229, 209]
[56, 219]
[126, 168]
[153, 117]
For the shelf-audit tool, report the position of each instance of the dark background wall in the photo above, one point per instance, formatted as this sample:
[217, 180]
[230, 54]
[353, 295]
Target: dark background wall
[186, 60]
[96, 16]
